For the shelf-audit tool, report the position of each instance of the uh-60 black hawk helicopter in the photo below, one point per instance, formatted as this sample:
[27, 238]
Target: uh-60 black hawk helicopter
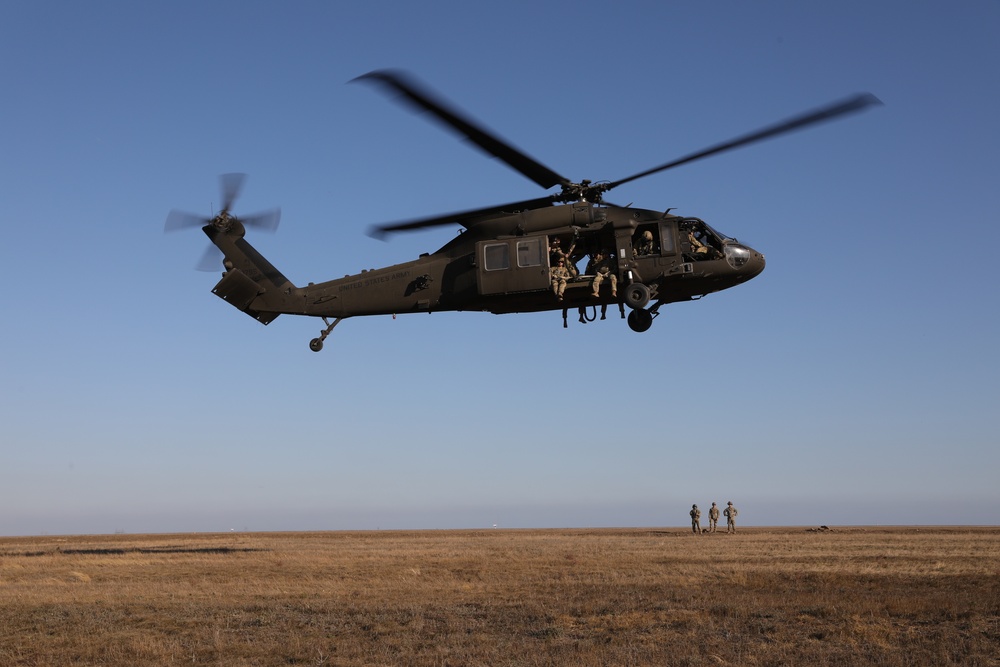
[505, 260]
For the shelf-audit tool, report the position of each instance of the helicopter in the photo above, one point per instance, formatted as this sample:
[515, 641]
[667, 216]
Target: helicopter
[516, 257]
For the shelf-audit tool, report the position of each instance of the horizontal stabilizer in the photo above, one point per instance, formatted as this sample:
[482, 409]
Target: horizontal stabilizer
[240, 290]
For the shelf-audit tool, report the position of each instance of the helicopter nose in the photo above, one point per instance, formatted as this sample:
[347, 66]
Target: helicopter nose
[756, 264]
[753, 267]
[746, 262]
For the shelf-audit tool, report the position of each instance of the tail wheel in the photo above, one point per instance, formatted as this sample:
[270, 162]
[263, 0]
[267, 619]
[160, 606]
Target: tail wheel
[316, 344]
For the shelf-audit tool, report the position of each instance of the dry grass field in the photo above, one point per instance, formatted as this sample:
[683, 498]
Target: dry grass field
[780, 596]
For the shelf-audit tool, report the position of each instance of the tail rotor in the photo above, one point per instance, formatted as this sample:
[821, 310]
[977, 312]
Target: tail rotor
[230, 186]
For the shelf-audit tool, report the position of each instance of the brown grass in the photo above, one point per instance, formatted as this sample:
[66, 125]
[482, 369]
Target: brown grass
[898, 596]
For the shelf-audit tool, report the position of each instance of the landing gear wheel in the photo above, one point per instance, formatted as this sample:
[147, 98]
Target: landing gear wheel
[640, 320]
[637, 296]
[316, 344]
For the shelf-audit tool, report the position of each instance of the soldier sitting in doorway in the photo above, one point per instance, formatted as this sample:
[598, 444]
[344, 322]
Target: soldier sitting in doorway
[601, 268]
[559, 275]
[556, 253]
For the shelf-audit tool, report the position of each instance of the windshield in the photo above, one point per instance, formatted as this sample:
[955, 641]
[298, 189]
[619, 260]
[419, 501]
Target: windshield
[722, 237]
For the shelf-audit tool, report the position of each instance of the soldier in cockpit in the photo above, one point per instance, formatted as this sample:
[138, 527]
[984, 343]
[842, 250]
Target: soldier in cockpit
[698, 249]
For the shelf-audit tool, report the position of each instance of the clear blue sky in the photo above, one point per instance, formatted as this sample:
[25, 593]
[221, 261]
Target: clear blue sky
[854, 382]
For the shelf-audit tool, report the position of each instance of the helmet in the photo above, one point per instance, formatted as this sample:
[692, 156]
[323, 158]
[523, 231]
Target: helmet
[730, 502]
[648, 235]
[694, 507]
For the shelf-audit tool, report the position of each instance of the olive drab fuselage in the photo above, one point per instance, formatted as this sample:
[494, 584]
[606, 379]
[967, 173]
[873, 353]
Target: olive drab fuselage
[501, 265]
[459, 276]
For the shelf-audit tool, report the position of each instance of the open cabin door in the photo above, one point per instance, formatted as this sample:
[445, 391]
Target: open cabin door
[519, 264]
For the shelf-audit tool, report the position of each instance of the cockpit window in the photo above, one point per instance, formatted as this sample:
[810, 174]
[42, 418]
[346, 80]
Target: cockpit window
[700, 241]
[722, 237]
[736, 254]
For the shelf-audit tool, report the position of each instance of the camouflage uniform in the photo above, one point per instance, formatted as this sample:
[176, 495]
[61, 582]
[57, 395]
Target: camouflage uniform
[730, 513]
[713, 518]
[559, 275]
[699, 249]
[695, 520]
[645, 244]
[556, 253]
[601, 267]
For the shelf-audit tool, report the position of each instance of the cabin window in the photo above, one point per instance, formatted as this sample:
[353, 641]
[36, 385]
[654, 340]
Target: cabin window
[496, 257]
[667, 239]
[530, 253]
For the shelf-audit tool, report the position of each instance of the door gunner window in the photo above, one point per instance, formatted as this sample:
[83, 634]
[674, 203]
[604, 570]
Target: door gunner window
[646, 241]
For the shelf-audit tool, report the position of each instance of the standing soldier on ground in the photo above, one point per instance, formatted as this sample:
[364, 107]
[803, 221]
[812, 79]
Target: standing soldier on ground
[713, 518]
[695, 520]
[730, 513]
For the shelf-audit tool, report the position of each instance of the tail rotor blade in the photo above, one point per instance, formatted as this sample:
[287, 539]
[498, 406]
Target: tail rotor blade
[178, 220]
[231, 185]
[211, 259]
[265, 220]
[224, 222]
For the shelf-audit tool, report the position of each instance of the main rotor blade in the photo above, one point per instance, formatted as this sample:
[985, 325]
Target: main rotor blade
[460, 217]
[178, 220]
[423, 99]
[850, 105]
[231, 185]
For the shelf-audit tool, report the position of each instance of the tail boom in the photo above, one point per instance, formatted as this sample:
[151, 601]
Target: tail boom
[251, 283]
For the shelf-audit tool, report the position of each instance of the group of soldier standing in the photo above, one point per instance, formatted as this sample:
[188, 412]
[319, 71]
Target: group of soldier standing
[713, 518]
